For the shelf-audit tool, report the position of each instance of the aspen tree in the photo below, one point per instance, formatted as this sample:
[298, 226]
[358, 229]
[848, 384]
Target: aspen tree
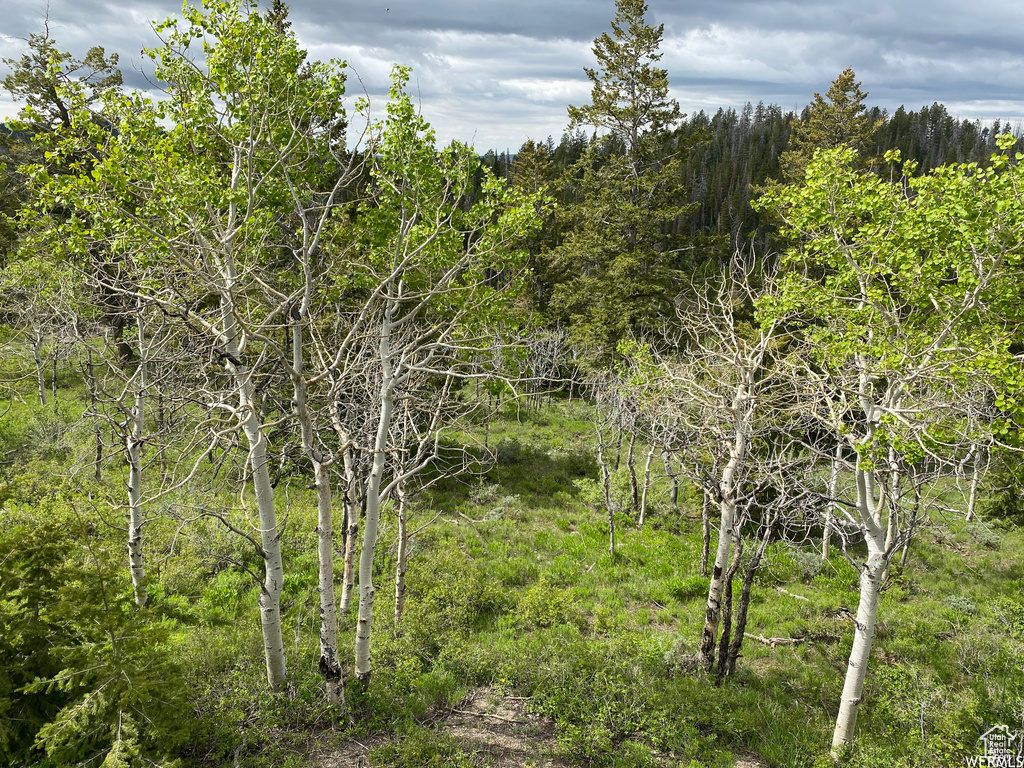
[433, 300]
[907, 296]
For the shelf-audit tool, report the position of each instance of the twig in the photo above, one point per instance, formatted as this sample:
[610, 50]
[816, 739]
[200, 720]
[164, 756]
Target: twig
[775, 641]
[484, 714]
[782, 591]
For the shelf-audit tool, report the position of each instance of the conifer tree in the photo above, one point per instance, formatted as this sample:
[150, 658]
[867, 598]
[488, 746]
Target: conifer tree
[620, 259]
[837, 119]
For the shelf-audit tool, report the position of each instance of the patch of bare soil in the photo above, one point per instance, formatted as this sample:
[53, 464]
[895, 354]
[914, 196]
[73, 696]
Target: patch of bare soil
[342, 753]
[498, 731]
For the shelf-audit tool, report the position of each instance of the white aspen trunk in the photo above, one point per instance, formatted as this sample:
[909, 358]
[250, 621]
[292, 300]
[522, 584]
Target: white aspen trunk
[606, 486]
[673, 494]
[403, 553]
[270, 538]
[871, 578]
[853, 688]
[972, 498]
[726, 530]
[330, 664]
[631, 466]
[833, 496]
[618, 443]
[90, 381]
[366, 591]
[893, 527]
[705, 524]
[37, 355]
[713, 614]
[133, 451]
[351, 503]
[647, 485]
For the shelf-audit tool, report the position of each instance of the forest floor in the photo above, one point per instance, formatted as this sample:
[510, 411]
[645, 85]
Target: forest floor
[526, 643]
[495, 730]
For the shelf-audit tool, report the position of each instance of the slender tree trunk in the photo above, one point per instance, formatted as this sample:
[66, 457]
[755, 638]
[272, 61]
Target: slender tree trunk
[727, 531]
[403, 554]
[53, 380]
[833, 496]
[606, 485]
[895, 480]
[270, 537]
[864, 633]
[673, 494]
[748, 581]
[366, 589]
[161, 426]
[90, 381]
[133, 451]
[631, 466]
[352, 508]
[618, 442]
[37, 354]
[912, 525]
[976, 472]
[730, 574]
[713, 613]
[330, 663]
[871, 577]
[705, 517]
[647, 485]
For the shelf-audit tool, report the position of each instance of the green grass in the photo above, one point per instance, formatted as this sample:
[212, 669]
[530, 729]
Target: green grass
[513, 587]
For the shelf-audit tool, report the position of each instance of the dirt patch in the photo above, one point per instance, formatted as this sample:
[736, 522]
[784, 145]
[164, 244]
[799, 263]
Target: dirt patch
[342, 753]
[499, 730]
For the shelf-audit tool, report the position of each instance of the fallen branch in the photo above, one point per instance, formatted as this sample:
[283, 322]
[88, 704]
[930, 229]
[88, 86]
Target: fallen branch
[782, 591]
[485, 714]
[776, 641]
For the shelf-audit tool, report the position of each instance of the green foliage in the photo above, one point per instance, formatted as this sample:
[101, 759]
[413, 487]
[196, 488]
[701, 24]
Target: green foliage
[544, 605]
[915, 252]
[448, 594]
[87, 677]
[421, 747]
[838, 119]
[620, 260]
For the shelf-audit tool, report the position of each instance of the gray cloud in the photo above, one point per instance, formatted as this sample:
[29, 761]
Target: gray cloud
[497, 72]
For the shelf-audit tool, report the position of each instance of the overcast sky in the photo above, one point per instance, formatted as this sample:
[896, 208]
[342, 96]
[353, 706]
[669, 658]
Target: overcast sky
[496, 73]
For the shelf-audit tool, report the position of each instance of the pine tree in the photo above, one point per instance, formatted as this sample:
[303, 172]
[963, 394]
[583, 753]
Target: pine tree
[839, 118]
[620, 260]
[629, 95]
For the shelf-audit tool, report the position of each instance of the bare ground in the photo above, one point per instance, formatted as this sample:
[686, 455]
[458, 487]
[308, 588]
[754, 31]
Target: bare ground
[496, 729]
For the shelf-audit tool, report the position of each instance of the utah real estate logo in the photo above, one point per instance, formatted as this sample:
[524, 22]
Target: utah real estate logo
[1000, 748]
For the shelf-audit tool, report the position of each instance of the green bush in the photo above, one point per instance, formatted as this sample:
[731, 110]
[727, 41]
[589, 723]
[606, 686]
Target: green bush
[421, 747]
[85, 676]
[544, 605]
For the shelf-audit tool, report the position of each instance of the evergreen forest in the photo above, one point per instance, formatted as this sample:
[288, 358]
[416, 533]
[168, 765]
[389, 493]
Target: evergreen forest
[685, 440]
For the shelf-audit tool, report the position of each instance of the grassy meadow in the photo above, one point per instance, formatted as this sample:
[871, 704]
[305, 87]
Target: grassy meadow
[513, 599]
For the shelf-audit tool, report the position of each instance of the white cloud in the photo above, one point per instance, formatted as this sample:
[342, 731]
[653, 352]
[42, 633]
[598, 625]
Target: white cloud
[502, 72]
